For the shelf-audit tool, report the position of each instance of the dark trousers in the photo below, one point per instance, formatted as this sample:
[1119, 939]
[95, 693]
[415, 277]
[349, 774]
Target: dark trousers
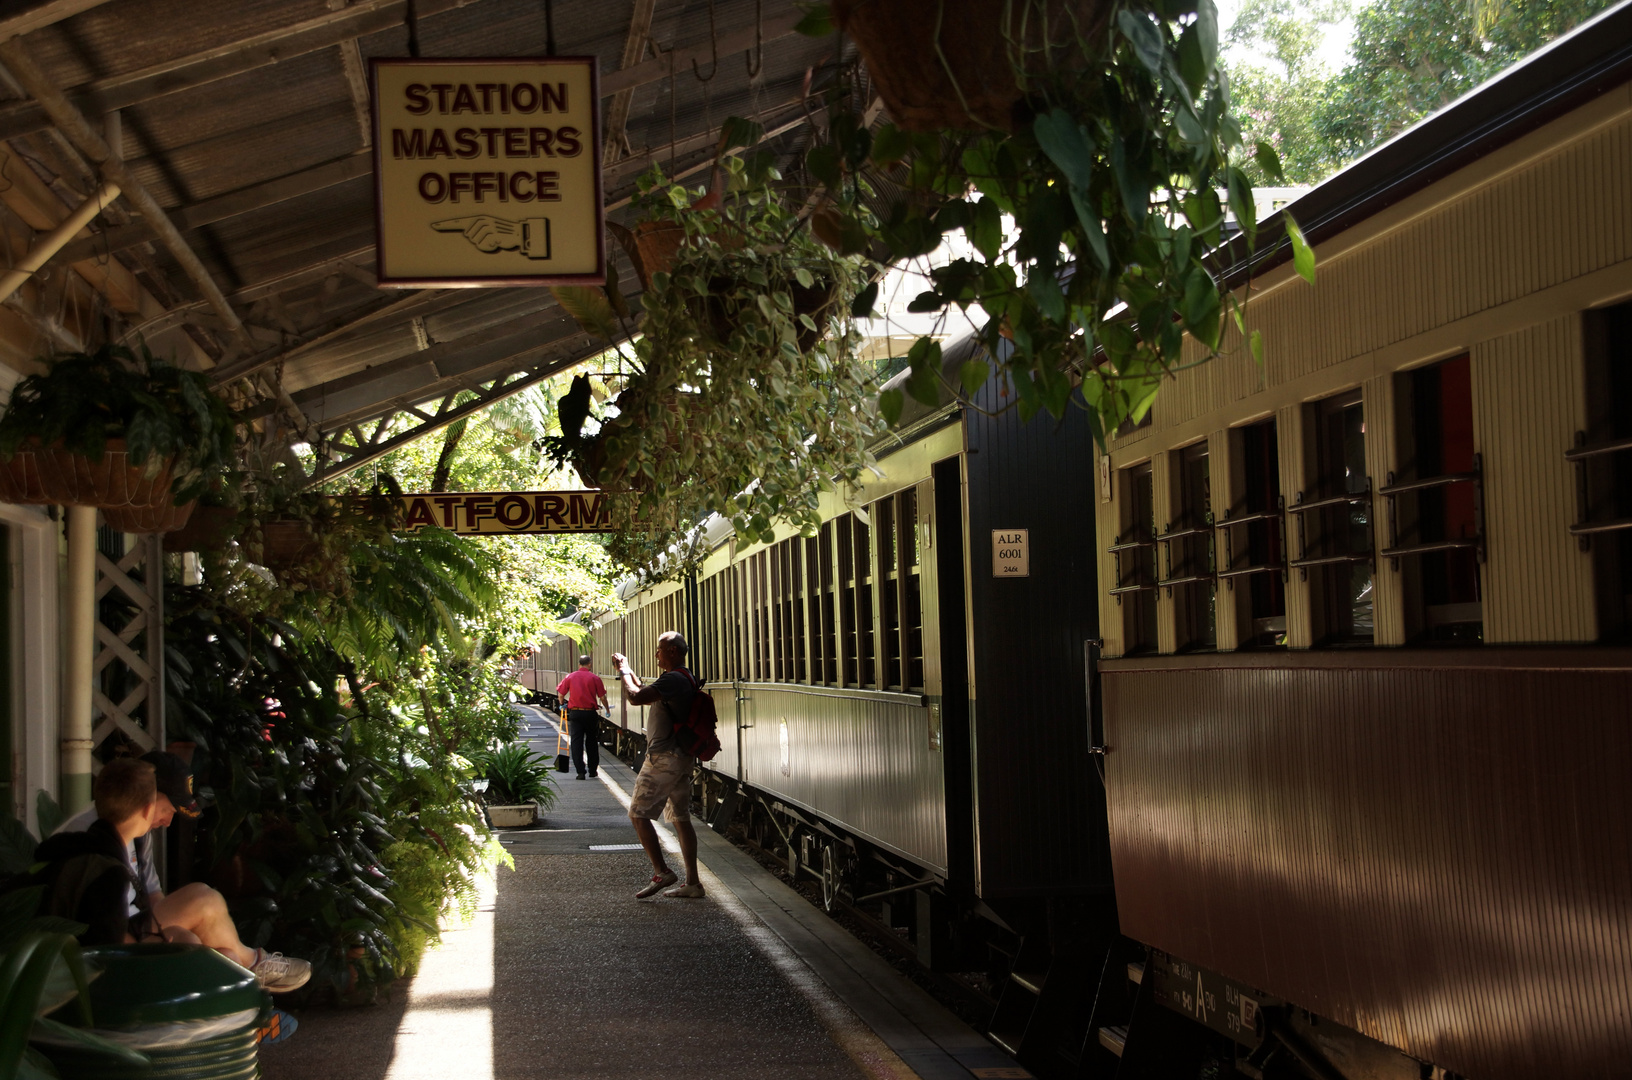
[584, 727]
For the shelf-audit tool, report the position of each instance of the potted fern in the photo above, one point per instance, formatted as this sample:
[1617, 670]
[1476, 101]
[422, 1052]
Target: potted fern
[118, 429]
[518, 784]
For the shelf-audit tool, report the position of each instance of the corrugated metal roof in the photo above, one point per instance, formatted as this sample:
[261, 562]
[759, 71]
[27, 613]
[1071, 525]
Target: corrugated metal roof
[279, 119]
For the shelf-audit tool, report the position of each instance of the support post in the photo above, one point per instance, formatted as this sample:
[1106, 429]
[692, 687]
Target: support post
[80, 648]
[52, 242]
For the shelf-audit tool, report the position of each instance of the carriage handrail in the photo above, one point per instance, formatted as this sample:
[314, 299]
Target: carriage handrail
[1327, 560]
[1335, 500]
[1444, 480]
[1432, 546]
[1247, 519]
[1590, 528]
[1582, 453]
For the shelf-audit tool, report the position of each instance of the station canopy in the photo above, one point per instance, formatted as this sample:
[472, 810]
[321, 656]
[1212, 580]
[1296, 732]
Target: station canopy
[248, 123]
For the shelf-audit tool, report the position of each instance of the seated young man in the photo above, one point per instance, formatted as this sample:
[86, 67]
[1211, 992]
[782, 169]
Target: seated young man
[129, 805]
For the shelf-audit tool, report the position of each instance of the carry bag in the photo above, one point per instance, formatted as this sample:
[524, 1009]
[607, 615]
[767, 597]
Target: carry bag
[563, 762]
[696, 734]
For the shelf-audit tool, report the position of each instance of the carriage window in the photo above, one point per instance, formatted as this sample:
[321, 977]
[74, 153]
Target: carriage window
[845, 532]
[1188, 551]
[779, 612]
[795, 671]
[812, 584]
[830, 637]
[912, 604]
[739, 610]
[762, 617]
[1603, 466]
[1135, 553]
[1333, 522]
[1254, 539]
[889, 594]
[866, 672]
[1436, 528]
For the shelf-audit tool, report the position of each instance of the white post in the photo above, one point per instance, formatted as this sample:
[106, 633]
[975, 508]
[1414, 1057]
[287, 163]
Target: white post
[80, 647]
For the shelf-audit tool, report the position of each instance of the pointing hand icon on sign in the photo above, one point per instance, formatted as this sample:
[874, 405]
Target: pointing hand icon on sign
[490, 234]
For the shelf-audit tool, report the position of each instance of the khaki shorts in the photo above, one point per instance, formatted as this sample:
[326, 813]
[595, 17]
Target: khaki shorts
[664, 782]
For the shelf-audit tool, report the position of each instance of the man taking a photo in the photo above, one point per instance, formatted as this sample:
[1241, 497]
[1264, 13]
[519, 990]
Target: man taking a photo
[664, 784]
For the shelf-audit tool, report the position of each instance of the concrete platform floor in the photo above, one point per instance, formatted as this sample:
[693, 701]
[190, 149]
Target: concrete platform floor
[563, 974]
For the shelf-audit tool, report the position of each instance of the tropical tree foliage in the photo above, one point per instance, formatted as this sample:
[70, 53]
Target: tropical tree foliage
[1407, 58]
[336, 740]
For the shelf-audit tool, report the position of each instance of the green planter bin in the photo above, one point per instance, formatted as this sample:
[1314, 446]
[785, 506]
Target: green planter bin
[192, 1011]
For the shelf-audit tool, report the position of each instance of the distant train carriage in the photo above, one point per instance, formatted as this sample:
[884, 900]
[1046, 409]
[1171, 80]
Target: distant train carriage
[867, 733]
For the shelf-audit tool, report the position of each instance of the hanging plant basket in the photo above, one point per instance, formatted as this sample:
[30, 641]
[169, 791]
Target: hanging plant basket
[132, 499]
[656, 243]
[286, 545]
[152, 519]
[910, 66]
[210, 528]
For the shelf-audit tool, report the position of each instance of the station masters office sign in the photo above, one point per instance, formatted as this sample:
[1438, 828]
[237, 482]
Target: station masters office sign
[488, 172]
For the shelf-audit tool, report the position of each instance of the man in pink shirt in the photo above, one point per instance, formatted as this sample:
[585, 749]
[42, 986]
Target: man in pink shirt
[580, 692]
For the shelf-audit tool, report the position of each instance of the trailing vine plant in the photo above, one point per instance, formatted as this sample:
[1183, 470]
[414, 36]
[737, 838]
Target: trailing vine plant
[744, 393]
[1091, 177]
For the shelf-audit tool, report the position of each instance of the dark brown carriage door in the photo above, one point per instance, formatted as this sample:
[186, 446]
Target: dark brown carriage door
[1135, 552]
[1441, 583]
[1190, 552]
[1256, 549]
[1336, 536]
[888, 576]
[1604, 474]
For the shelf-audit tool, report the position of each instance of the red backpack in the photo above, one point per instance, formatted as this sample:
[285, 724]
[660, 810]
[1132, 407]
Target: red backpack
[695, 734]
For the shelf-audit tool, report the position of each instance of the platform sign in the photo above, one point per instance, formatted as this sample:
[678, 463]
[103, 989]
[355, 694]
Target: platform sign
[509, 512]
[1011, 552]
[487, 171]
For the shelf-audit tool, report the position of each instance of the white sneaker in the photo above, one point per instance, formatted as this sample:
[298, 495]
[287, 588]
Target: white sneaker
[658, 883]
[689, 891]
[280, 974]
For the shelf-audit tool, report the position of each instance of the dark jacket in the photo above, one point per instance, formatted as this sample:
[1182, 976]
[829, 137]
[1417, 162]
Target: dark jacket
[87, 880]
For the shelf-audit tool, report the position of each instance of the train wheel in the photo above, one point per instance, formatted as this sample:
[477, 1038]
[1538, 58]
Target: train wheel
[830, 877]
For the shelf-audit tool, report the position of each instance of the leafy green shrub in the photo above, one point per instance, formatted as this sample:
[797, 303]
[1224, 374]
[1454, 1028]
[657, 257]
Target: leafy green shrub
[161, 411]
[334, 734]
[295, 835]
